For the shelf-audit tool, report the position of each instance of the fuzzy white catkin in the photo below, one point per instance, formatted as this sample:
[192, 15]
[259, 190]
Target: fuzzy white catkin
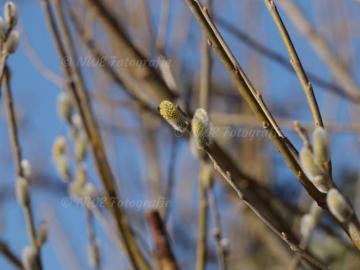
[322, 183]
[307, 163]
[63, 168]
[12, 42]
[338, 205]
[10, 13]
[80, 147]
[64, 107]
[321, 146]
[22, 191]
[76, 121]
[59, 147]
[306, 224]
[26, 167]
[29, 258]
[200, 127]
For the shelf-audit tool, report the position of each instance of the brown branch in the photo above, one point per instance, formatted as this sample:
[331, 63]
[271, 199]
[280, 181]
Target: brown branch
[254, 100]
[10, 255]
[296, 63]
[16, 149]
[164, 253]
[321, 47]
[283, 61]
[77, 90]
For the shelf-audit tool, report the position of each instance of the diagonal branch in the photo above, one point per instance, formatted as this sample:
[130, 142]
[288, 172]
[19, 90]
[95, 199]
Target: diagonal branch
[259, 108]
[75, 85]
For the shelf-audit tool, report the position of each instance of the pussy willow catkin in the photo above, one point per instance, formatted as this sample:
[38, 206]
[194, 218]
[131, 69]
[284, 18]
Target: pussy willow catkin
[174, 116]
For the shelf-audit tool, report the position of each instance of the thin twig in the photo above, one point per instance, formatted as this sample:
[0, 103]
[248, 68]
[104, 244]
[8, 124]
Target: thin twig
[201, 246]
[16, 149]
[294, 247]
[254, 100]
[164, 252]
[321, 47]
[76, 86]
[10, 255]
[249, 120]
[283, 61]
[221, 252]
[296, 63]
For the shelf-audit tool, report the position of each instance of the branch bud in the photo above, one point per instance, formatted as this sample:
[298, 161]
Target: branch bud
[22, 191]
[338, 205]
[10, 13]
[200, 128]
[321, 146]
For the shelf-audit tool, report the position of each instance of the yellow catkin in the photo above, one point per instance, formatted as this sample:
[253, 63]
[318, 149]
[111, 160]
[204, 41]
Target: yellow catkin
[171, 113]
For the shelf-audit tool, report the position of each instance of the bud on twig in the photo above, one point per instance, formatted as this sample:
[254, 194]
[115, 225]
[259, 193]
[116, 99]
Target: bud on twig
[306, 224]
[22, 191]
[29, 258]
[321, 146]
[64, 107]
[59, 146]
[10, 13]
[314, 172]
[200, 128]
[338, 205]
[26, 167]
[174, 116]
[308, 164]
[42, 234]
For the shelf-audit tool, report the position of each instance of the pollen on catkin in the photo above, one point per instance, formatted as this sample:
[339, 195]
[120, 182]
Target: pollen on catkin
[174, 116]
[200, 127]
[338, 205]
[22, 191]
[59, 146]
[321, 146]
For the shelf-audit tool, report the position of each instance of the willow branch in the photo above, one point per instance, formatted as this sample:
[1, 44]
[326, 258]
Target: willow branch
[16, 149]
[321, 47]
[283, 61]
[296, 63]
[10, 255]
[77, 90]
[201, 245]
[164, 252]
[254, 100]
